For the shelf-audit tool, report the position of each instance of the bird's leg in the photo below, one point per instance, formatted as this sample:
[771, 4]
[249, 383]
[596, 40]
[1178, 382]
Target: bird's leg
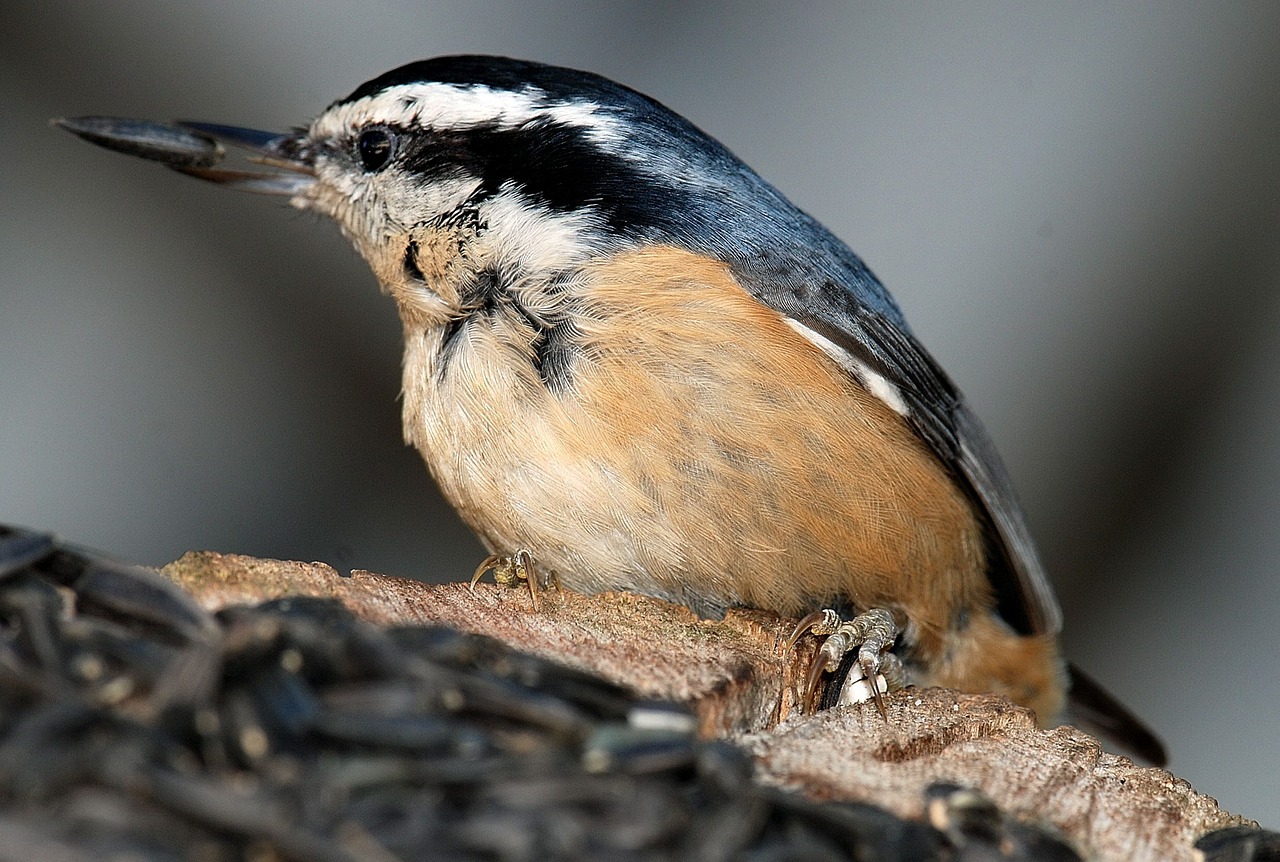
[875, 671]
[509, 570]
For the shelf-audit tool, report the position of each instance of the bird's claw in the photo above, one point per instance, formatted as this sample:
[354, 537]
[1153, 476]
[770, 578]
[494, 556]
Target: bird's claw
[875, 671]
[509, 570]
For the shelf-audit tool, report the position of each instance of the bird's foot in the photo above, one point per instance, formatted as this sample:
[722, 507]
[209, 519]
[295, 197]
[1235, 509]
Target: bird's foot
[510, 570]
[874, 672]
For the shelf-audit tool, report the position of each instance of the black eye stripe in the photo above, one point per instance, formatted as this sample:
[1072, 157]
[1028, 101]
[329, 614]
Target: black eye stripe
[375, 147]
[556, 164]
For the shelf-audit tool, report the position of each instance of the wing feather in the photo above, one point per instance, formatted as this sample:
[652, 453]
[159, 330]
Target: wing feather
[938, 413]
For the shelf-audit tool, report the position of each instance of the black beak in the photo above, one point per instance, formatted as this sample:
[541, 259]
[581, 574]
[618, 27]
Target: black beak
[196, 148]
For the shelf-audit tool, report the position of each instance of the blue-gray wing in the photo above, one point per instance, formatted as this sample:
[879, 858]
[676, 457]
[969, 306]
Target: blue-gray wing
[840, 305]
[938, 413]
[789, 261]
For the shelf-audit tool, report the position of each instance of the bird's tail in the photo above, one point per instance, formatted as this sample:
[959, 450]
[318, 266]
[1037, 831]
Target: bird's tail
[1093, 708]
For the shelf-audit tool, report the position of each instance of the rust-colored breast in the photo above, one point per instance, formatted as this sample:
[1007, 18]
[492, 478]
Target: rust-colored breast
[704, 451]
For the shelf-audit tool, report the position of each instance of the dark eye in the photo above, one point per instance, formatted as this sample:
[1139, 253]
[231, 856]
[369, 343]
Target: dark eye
[376, 146]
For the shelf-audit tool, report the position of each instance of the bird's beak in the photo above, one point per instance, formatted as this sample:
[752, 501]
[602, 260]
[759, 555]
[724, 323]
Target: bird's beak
[197, 148]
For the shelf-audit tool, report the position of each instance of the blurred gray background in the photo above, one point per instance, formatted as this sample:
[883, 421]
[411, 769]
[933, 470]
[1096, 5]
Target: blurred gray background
[1078, 207]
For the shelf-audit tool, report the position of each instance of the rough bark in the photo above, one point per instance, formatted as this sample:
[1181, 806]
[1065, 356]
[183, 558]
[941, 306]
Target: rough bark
[739, 680]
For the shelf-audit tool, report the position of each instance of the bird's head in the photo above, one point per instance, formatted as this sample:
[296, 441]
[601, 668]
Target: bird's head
[450, 166]
[461, 177]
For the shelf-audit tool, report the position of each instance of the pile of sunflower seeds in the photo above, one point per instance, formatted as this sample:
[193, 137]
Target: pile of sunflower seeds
[136, 726]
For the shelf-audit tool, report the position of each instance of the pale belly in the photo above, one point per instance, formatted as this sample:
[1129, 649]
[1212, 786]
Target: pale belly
[704, 453]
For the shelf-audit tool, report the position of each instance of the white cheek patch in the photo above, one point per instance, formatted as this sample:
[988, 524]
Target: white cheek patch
[873, 381]
[452, 106]
[536, 238]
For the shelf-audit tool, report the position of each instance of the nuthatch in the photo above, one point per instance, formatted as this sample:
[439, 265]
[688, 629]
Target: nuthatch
[628, 354]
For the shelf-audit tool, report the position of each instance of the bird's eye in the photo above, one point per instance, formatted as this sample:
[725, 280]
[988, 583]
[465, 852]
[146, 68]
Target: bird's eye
[375, 146]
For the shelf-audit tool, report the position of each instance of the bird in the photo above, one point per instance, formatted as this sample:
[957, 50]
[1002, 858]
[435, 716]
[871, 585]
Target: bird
[632, 360]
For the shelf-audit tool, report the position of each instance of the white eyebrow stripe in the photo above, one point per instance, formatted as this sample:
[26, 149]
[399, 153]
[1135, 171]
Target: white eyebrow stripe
[873, 381]
[456, 106]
